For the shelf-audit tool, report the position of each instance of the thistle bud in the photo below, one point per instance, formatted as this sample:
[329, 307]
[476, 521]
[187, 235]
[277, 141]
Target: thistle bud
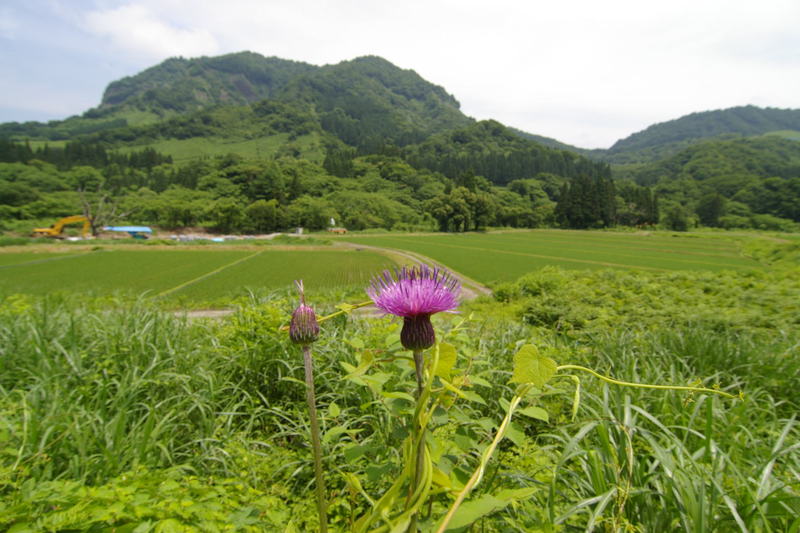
[303, 328]
[417, 333]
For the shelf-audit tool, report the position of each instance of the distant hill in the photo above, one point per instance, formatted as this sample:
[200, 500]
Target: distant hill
[758, 175]
[667, 138]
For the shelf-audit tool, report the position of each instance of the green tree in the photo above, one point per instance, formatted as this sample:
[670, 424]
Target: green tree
[710, 208]
[226, 214]
[676, 219]
[264, 216]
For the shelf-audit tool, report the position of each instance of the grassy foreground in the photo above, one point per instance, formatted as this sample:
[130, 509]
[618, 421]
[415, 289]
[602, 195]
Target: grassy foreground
[116, 416]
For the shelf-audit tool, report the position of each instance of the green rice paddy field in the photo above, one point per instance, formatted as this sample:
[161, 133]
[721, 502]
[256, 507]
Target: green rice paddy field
[188, 275]
[213, 273]
[507, 256]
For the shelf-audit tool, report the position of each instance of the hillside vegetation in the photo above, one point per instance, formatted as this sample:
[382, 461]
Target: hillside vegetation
[732, 183]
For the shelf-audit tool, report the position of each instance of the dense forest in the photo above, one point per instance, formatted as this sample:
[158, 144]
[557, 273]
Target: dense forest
[235, 194]
[244, 143]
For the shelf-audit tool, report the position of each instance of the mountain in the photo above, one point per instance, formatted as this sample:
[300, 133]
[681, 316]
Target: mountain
[667, 138]
[368, 100]
[181, 85]
[364, 101]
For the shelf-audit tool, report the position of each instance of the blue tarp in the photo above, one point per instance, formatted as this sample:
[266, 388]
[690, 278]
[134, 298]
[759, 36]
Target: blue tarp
[129, 229]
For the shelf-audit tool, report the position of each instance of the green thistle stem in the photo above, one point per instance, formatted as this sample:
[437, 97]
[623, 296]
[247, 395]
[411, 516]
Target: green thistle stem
[419, 431]
[315, 442]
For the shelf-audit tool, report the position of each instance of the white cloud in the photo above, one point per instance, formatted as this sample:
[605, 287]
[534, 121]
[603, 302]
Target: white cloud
[141, 32]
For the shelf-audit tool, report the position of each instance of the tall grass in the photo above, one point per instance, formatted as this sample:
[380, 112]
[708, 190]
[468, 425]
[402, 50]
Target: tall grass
[663, 462]
[90, 394]
[93, 390]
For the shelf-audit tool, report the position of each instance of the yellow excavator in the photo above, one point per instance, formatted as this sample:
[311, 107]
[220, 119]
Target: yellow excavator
[57, 228]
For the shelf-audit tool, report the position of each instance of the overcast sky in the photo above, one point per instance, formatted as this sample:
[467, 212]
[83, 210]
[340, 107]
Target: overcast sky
[583, 72]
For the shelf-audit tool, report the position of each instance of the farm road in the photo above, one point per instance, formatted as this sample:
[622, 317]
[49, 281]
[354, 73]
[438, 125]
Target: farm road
[470, 289]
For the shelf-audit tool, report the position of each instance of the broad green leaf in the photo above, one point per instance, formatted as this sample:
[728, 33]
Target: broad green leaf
[169, 525]
[355, 451]
[516, 435]
[474, 510]
[475, 380]
[22, 527]
[441, 479]
[334, 410]
[391, 340]
[535, 412]
[398, 395]
[473, 396]
[356, 343]
[532, 367]
[332, 433]
[447, 360]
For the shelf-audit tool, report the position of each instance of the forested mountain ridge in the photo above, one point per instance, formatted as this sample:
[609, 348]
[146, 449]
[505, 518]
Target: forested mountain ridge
[499, 154]
[358, 100]
[181, 85]
[368, 100]
[667, 138]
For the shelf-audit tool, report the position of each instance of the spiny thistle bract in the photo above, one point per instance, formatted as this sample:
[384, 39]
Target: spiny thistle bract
[303, 329]
[415, 293]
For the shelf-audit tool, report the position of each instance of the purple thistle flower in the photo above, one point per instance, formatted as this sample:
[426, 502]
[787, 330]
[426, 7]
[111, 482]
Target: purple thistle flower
[415, 294]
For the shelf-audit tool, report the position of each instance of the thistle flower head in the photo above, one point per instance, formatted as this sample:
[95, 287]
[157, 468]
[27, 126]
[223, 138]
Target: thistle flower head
[418, 290]
[415, 293]
[303, 328]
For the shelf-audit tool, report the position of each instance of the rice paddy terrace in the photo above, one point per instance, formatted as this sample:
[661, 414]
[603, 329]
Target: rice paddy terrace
[493, 257]
[186, 275]
[213, 272]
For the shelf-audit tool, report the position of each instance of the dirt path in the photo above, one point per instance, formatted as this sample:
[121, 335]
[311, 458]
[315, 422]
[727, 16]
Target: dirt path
[470, 289]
